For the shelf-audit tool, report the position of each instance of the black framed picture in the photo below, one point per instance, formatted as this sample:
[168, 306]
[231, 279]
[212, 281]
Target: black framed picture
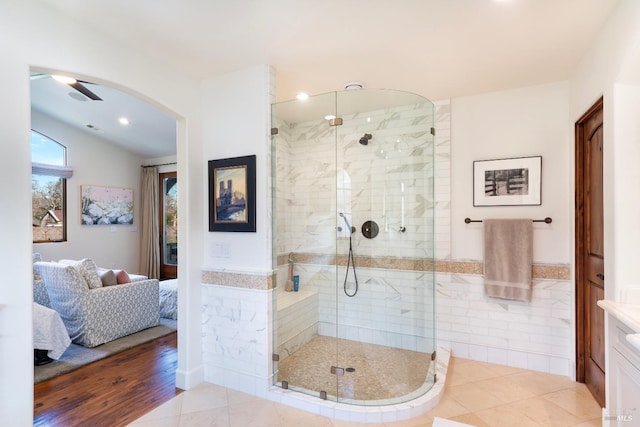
[507, 182]
[232, 194]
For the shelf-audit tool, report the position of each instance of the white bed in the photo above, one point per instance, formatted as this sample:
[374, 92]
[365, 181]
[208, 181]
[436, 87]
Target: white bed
[49, 332]
[169, 299]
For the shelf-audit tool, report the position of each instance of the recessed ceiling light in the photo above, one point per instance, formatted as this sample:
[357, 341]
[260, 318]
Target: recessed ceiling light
[64, 79]
[123, 121]
[302, 96]
[353, 85]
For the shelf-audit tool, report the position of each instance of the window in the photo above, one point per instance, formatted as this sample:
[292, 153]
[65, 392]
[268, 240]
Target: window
[49, 175]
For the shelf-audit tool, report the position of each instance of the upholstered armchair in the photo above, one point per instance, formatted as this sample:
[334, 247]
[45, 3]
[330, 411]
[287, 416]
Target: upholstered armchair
[94, 314]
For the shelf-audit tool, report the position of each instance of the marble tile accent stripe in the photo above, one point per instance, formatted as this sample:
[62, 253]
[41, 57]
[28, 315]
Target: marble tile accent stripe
[557, 272]
[539, 271]
[459, 267]
[240, 280]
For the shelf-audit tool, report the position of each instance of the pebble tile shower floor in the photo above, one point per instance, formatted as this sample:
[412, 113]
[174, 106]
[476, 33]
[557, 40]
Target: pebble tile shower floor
[380, 372]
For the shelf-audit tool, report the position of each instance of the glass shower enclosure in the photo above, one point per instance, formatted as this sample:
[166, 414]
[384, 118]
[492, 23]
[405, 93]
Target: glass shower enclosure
[353, 221]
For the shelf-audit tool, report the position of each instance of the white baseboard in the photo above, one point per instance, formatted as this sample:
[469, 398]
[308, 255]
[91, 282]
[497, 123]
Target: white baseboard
[186, 380]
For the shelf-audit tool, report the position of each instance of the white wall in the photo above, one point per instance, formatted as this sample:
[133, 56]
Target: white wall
[94, 162]
[626, 175]
[28, 40]
[237, 108]
[236, 331]
[530, 121]
[16, 294]
[611, 64]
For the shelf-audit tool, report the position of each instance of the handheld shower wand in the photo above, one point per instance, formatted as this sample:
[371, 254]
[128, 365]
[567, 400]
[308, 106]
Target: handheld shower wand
[346, 221]
[351, 261]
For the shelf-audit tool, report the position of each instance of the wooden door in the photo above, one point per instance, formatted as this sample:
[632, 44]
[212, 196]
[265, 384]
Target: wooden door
[168, 209]
[590, 252]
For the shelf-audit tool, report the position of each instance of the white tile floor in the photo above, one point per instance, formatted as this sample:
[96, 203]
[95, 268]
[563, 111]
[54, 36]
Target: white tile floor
[476, 393]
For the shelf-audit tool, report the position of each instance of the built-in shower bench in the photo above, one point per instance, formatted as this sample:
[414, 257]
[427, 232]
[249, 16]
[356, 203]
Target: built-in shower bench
[297, 315]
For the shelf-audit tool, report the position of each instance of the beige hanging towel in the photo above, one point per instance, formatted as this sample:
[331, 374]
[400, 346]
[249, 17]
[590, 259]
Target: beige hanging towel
[508, 254]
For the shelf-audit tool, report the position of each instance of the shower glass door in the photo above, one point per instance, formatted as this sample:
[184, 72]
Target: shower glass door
[384, 280]
[353, 176]
[304, 174]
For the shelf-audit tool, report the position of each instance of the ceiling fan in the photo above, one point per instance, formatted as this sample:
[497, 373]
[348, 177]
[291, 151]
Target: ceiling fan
[70, 81]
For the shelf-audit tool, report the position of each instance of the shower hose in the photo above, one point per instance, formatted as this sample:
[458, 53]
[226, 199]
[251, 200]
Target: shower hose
[350, 261]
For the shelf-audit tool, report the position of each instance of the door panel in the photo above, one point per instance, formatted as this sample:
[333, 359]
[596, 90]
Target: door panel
[594, 214]
[590, 278]
[596, 341]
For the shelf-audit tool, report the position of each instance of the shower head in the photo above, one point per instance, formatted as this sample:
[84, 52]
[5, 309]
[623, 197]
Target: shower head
[346, 221]
[365, 139]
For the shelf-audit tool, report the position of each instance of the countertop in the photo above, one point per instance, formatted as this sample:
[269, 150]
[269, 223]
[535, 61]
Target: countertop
[629, 314]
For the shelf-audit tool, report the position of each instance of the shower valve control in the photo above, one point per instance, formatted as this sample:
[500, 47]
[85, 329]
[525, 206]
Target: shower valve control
[370, 229]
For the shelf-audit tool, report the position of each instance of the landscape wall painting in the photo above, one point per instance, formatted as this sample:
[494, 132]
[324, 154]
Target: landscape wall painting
[106, 205]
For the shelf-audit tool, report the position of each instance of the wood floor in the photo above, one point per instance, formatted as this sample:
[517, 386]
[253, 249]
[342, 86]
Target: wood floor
[110, 392]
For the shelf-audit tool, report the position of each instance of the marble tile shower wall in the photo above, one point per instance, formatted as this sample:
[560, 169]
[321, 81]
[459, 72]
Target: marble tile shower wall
[306, 177]
[283, 171]
[389, 181]
[392, 308]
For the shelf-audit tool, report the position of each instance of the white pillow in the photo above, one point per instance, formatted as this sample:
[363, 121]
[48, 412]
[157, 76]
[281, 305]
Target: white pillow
[87, 269]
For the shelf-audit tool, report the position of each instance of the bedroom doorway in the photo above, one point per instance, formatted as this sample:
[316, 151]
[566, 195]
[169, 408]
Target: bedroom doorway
[168, 225]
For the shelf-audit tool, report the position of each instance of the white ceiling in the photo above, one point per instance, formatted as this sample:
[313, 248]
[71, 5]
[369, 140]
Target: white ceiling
[436, 48]
[150, 133]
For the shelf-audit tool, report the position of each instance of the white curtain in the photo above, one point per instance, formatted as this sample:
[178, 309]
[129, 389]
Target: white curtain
[150, 232]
